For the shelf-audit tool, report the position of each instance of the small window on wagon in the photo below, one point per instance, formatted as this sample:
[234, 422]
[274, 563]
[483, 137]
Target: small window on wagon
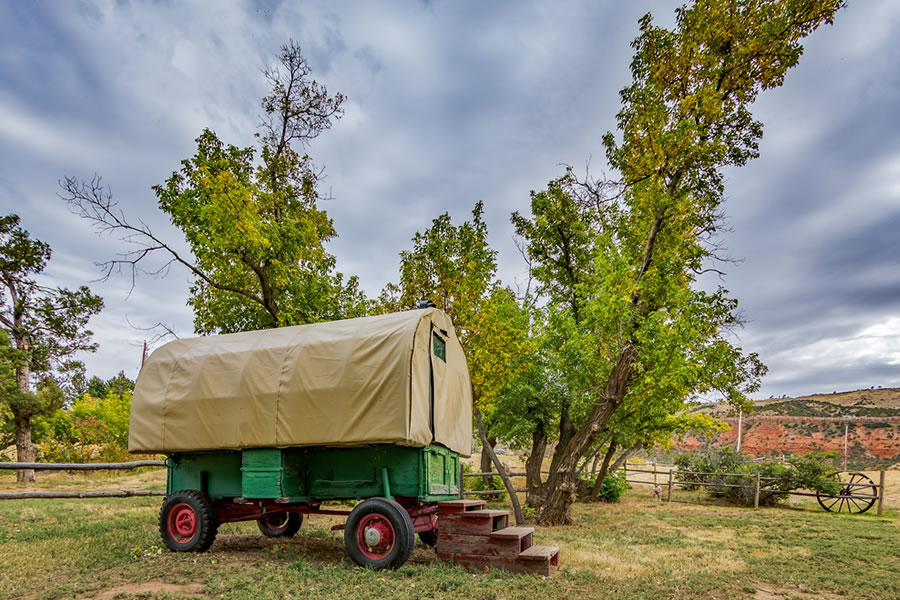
[440, 346]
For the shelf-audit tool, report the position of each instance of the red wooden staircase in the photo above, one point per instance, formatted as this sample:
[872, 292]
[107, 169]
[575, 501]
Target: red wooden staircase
[472, 536]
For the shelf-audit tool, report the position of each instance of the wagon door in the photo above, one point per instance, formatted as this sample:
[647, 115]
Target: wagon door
[440, 385]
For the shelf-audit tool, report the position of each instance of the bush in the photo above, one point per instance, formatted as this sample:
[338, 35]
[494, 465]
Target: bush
[727, 466]
[613, 486]
[91, 429]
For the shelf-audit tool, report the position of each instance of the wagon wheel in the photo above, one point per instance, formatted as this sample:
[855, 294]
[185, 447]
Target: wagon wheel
[379, 534]
[280, 524]
[188, 521]
[858, 493]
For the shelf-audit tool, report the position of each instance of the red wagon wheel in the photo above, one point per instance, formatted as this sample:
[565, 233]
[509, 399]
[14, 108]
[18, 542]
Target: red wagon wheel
[187, 521]
[379, 533]
[280, 524]
[857, 494]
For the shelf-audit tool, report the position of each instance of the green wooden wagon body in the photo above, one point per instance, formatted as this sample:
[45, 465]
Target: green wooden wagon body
[317, 474]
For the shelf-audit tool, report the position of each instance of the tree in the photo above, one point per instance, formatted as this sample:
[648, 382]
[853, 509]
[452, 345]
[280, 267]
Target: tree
[644, 334]
[96, 387]
[254, 228]
[454, 267]
[41, 330]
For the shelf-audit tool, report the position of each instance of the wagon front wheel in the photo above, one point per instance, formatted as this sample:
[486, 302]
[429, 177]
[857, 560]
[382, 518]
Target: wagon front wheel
[280, 524]
[379, 533]
[188, 521]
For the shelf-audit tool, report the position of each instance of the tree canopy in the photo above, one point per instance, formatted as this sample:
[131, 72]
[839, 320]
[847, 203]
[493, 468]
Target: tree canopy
[250, 217]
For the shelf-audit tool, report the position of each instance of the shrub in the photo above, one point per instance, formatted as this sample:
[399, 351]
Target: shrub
[90, 429]
[725, 466]
[613, 486]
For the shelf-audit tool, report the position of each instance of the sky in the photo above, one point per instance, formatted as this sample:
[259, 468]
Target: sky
[450, 103]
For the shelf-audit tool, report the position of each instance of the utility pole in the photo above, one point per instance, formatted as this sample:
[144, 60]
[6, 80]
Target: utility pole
[740, 423]
[846, 431]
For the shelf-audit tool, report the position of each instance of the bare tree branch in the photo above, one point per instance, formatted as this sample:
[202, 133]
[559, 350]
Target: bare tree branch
[93, 202]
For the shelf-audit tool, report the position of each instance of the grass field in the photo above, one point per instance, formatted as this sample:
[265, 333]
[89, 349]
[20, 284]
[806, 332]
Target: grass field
[639, 548]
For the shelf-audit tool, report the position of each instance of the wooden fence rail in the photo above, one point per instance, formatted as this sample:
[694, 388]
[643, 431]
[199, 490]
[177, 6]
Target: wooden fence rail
[16, 466]
[756, 483]
[82, 467]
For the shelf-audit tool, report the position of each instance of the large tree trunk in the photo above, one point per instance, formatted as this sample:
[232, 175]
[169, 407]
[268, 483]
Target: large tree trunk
[533, 481]
[513, 497]
[556, 509]
[566, 432]
[595, 493]
[486, 450]
[25, 451]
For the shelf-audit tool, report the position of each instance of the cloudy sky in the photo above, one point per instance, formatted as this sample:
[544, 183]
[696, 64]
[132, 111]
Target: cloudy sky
[451, 103]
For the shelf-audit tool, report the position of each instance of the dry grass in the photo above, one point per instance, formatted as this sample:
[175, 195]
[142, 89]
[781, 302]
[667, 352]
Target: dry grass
[639, 548]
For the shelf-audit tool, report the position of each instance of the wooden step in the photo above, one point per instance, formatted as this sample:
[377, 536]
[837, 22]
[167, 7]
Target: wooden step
[479, 545]
[484, 513]
[516, 565]
[474, 522]
[548, 554]
[521, 537]
[458, 506]
[512, 533]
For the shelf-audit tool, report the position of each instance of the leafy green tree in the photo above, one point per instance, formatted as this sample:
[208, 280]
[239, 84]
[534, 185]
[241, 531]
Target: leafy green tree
[455, 267]
[96, 387]
[642, 332]
[256, 234]
[41, 330]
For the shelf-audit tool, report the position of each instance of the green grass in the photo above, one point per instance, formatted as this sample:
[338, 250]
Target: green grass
[639, 548]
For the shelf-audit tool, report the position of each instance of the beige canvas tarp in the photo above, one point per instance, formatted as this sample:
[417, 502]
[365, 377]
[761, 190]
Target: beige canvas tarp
[357, 381]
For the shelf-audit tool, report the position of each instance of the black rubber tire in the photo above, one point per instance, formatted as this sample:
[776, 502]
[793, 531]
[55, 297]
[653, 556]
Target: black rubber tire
[429, 538]
[404, 533]
[207, 523]
[292, 523]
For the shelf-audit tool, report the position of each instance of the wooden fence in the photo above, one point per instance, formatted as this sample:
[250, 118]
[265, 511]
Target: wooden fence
[16, 466]
[669, 473]
[493, 492]
[668, 476]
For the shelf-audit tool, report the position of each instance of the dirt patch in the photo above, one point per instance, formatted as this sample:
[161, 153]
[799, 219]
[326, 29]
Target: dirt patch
[150, 588]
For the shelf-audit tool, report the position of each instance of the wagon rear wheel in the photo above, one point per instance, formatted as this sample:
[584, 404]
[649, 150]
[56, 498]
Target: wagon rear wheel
[188, 521]
[280, 524]
[857, 495]
[379, 533]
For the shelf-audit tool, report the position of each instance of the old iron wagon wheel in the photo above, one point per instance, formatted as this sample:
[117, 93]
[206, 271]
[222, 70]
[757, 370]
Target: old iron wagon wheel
[379, 533]
[187, 521]
[280, 524]
[858, 493]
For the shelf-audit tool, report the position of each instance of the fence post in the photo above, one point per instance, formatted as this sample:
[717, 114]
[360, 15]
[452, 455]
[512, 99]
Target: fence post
[880, 490]
[756, 492]
[669, 493]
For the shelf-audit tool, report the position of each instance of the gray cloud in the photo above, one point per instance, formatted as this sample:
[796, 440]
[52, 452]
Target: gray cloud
[451, 103]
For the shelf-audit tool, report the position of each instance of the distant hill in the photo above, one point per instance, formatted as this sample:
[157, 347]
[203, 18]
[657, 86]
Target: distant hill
[796, 425]
[882, 402]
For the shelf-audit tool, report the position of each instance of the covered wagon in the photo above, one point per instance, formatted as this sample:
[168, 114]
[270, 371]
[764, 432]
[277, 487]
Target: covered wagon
[269, 425]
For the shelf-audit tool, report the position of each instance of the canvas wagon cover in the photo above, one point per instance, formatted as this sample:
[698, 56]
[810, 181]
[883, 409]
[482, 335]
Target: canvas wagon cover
[357, 381]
